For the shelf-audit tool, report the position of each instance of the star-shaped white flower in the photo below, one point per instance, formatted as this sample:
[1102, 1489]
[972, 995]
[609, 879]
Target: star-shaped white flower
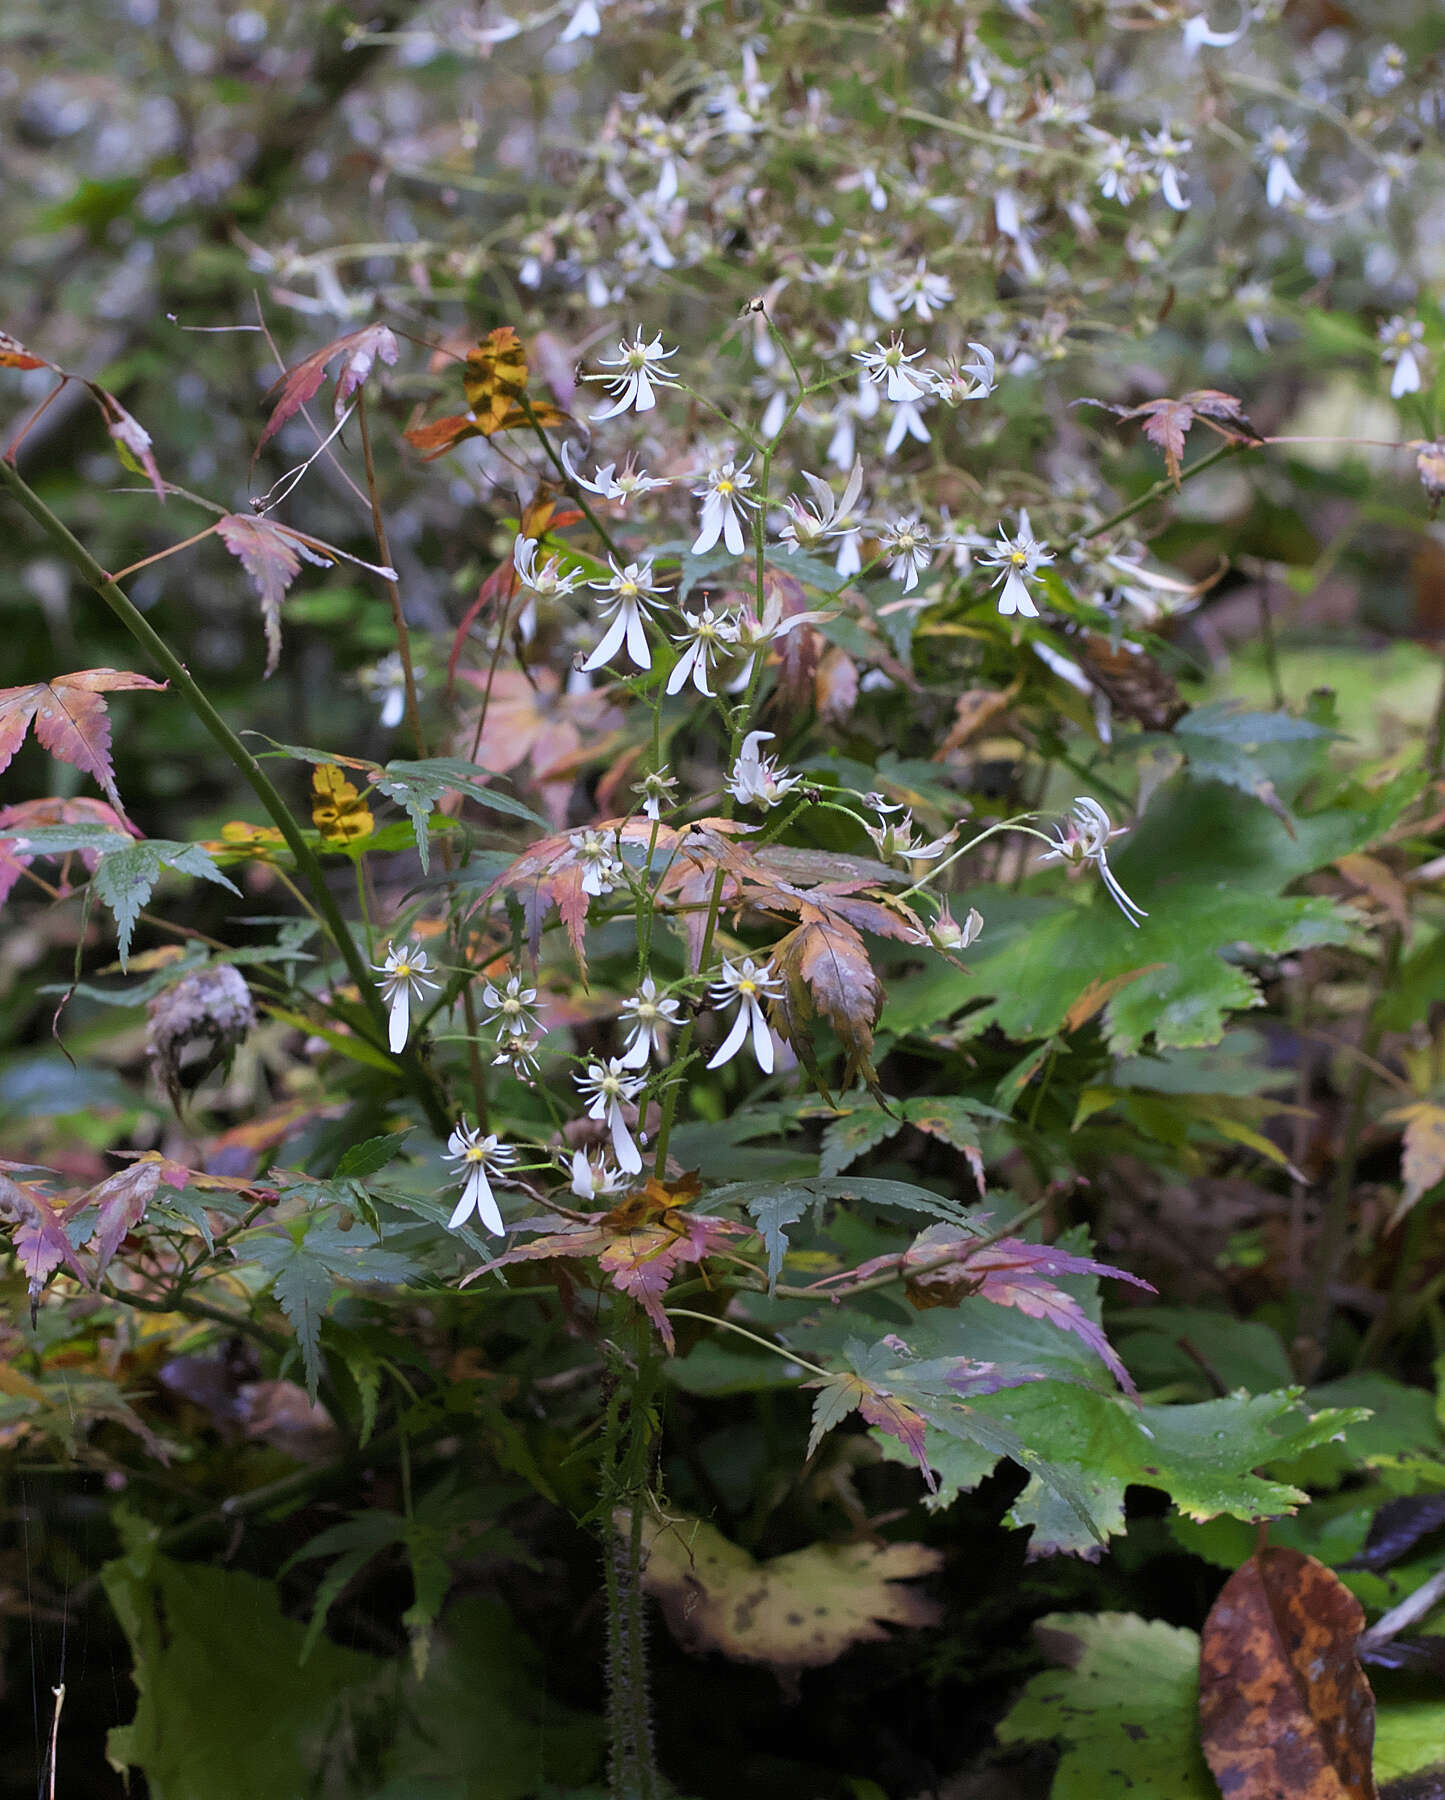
[748, 983]
[404, 977]
[608, 1088]
[479, 1157]
[641, 363]
[630, 591]
[1017, 558]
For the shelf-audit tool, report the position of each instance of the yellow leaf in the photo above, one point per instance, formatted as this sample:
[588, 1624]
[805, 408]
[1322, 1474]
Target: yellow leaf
[1424, 1159]
[495, 378]
[797, 1611]
[337, 809]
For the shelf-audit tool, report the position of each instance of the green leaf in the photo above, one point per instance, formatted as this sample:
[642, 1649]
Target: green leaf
[1268, 755]
[124, 879]
[366, 1158]
[305, 1268]
[419, 785]
[1209, 871]
[202, 1638]
[853, 1135]
[1409, 1737]
[1125, 1709]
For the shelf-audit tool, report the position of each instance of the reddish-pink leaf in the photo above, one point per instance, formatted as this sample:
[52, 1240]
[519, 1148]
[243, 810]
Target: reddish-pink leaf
[359, 350]
[1167, 422]
[70, 719]
[639, 1246]
[122, 1200]
[270, 555]
[130, 436]
[41, 1240]
[82, 810]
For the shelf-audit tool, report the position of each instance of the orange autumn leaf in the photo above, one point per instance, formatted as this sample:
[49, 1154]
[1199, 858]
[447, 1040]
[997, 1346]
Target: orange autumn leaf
[494, 379]
[14, 355]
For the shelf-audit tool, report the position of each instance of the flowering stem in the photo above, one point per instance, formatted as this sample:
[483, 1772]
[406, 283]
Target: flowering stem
[417, 1079]
[682, 1312]
[1013, 824]
[398, 615]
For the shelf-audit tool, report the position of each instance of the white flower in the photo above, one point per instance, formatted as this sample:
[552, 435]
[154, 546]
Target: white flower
[585, 22]
[1018, 558]
[1388, 69]
[651, 1018]
[656, 791]
[922, 293]
[749, 985]
[608, 1089]
[706, 636]
[907, 422]
[945, 933]
[520, 1055]
[1168, 152]
[595, 1180]
[479, 1156]
[957, 381]
[725, 505]
[602, 869]
[1085, 838]
[1197, 31]
[893, 834]
[1274, 150]
[629, 591]
[756, 780]
[909, 548]
[405, 975]
[808, 526]
[641, 363]
[385, 681]
[549, 582]
[608, 485]
[1119, 171]
[1401, 338]
[511, 1007]
[888, 368]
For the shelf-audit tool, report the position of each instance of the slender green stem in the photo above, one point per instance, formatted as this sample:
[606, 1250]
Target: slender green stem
[398, 616]
[1159, 491]
[421, 1084]
[683, 1312]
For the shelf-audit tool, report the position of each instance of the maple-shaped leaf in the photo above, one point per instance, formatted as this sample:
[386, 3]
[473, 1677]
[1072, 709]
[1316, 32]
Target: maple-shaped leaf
[943, 1266]
[271, 556]
[494, 379]
[359, 351]
[41, 1240]
[70, 720]
[130, 438]
[38, 814]
[121, 1200]
[549, 874]
[530, 718]
[826, 970]
[14, 355]
[1168, 422]
[639, 1245]
[124, 879]
[883, 1385]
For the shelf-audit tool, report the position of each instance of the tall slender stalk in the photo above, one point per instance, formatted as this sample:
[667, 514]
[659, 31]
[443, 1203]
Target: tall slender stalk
[421, 1084]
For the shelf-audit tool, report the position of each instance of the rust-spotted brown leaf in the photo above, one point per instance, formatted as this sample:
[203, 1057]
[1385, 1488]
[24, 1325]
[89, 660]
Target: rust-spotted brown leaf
[1284, 1706]
[797, 1611]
